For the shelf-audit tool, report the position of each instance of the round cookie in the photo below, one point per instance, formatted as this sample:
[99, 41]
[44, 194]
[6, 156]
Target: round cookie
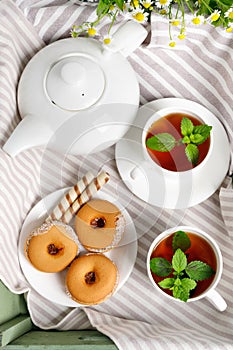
[51, 247]
[91, 279]
[99, 225]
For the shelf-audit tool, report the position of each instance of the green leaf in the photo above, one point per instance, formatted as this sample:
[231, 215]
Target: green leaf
[179, 261]
[227, 2]
[188, 283]
[192, 153]
[186, 127]
[196, 138]
[186, 139]
[203, 130]
[167, 283]
[163, 142]
[182, 289]
[161, 267]
[103, 7]
[198, 270]
[180, 293]
[181, 240]
[120, 4]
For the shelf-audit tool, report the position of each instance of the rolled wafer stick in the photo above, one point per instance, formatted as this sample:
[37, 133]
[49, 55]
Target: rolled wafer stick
[70, 197]
[95, 185]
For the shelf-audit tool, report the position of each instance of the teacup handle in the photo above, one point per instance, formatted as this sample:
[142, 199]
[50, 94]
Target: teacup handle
[217, 300]
[137, 172]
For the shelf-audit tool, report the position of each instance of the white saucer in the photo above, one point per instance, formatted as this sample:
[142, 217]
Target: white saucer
[158, 189]
[52, 285]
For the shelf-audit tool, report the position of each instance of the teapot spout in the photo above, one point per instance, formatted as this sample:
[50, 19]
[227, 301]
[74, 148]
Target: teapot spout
[30, 132]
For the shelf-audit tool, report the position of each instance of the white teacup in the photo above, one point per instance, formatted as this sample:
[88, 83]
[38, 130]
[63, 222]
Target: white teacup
[148, 161]
[210, 293]
[181, 189]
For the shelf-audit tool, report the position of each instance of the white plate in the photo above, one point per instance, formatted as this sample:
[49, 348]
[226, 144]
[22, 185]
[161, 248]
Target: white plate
[153, 186]
[52, 285]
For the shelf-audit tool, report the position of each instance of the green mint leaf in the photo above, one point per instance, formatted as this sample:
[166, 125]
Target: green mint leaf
[186, 127]
[203, 130]
[161, 267]
[179, 261]
[163, 142]
[186, 140]
[181, 240]
[182, 289]
[196, 138]
[188, 283]
[198, 270]
[192, 153]
[167, 283]
[179, 292]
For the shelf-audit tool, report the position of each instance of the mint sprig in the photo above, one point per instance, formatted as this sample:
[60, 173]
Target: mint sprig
[183, 276]
[193, 136]
[163, 142]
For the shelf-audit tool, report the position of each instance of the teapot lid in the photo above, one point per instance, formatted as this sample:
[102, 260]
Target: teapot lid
[75, 82]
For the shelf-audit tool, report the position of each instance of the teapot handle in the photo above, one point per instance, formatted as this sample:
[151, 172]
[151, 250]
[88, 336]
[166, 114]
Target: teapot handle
[127, 38]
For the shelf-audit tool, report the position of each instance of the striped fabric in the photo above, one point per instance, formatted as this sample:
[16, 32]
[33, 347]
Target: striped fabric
[201, 69]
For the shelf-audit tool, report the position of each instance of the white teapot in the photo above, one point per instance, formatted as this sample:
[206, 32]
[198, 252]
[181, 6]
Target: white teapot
[78, 96]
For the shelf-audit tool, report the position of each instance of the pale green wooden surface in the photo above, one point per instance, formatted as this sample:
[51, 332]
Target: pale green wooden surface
[14, 328]
[67, 340]
[18, 333]
[11, 305]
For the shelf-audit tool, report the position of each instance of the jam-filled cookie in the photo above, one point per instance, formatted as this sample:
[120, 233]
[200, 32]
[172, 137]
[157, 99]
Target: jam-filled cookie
[99, 225]
[51, 247]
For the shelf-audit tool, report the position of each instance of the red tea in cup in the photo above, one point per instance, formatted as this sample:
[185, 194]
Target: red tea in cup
[176, 159]
[199, 250]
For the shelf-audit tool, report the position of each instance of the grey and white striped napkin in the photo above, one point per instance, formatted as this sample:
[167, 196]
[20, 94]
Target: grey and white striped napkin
[201, 69]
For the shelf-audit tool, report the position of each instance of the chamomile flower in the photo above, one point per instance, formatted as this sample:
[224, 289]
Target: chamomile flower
[197, 20]
[74, 31]
[112, 8]
[172, 43]
[134, 3]
[220, 14]
[91, 31]
[147, 4]
[163, 12]
[181, 36]
[214, 16]
[229, 29]
[162, 3]
[175, 22]
[229, 13]
[107, 39]
[139, 16]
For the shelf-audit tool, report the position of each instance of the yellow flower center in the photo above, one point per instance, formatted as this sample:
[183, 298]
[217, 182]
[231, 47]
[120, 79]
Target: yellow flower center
[163, 12]
[146, 5]
[215, 17]
[139, 16]
[111, 8]
[135, 3]
[175, 23]
[229, 29]
[230, 15]
[172, 44]
[91, 31]
[181, 36]
[196, 20]
[163, 2]
[107, 41]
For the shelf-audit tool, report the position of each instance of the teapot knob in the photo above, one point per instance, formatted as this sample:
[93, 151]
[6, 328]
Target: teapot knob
[73, 73]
